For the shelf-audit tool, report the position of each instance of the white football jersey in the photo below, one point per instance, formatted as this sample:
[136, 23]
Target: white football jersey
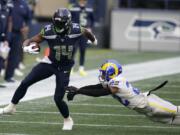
[127, 94]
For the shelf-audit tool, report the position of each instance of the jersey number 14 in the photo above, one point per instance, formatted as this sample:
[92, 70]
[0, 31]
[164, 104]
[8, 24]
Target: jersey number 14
[63, 50]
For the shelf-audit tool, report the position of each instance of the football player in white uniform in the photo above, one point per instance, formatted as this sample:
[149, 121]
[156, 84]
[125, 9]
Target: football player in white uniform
[112, 82]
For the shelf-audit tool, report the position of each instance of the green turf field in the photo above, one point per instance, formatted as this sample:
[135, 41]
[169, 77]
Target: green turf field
[94, 57]
[95, 116]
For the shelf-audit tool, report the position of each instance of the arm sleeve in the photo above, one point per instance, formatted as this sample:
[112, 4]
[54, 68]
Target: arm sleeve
[94, 90]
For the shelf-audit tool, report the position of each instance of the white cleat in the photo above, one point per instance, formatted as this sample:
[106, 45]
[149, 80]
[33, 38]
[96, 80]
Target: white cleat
[10, 109]
[2, 72]
[22, 66]
[18, 72]
[68, 124]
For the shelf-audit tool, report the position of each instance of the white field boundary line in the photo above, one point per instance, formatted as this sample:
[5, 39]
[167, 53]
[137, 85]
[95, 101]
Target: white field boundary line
[94, 125]
[83, 114]
[12, 134]
[93, 105]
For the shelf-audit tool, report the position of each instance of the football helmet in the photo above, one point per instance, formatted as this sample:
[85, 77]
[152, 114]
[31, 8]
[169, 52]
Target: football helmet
[62, 21]
[109, 70]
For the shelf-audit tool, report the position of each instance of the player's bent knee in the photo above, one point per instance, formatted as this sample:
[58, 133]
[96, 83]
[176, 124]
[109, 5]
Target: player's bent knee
[25, 84]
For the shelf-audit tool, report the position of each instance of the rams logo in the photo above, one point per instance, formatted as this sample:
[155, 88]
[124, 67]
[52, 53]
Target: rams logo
[151, 29]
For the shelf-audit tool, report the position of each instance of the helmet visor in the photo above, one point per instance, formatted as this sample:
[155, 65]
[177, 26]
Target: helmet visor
[59, 24]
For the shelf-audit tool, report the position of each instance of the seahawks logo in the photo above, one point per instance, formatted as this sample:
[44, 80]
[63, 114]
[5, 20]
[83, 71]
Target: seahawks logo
[154, 30]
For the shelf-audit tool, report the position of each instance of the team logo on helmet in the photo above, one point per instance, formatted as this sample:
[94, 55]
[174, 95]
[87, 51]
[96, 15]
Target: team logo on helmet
[109, 70]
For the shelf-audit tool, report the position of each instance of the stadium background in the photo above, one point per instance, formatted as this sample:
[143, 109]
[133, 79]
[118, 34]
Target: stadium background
[104, 115]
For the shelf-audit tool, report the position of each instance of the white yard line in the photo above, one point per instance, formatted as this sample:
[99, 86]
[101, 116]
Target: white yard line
[12, 134]
[79, 104]
[84, 114]
[133, 72]
[97, 105]
[94, 125]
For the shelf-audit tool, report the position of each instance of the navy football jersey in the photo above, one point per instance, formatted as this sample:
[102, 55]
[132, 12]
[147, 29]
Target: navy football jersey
[61, 47]
[82, 15]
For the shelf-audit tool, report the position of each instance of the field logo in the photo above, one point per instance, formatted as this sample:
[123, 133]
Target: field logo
[154, 29]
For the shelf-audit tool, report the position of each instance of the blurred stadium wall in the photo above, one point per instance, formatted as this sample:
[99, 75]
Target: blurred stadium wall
[145, 30]
[142, 25]
[45, 8]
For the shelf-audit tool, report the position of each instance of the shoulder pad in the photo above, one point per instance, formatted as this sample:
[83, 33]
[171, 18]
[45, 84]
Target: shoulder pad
[117, 82]
[76, 29]
[89, 9]
[48, 31]
[74, 9]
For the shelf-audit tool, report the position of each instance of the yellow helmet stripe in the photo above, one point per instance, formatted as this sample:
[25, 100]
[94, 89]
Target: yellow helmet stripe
[104, 67]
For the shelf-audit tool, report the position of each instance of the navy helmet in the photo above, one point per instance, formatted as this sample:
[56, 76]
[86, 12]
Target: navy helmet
[62, 21]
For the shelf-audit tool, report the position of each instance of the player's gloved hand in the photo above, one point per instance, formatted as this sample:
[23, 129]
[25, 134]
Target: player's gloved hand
[31, 49]
[4, 49]
[71, 92]
[93, 43]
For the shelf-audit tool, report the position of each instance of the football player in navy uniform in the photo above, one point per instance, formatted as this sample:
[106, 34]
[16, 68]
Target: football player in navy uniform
[113, 83]
[82, 14]
[61, 36]
[5, 29]
[21, 21]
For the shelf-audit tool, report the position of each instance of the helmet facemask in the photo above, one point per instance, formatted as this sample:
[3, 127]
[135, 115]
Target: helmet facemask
[62, 21]
[102, 78]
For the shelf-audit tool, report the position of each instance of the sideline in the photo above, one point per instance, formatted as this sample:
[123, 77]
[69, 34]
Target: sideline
[133, 72]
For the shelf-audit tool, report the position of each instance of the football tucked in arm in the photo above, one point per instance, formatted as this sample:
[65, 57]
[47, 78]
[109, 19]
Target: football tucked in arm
[32, 48]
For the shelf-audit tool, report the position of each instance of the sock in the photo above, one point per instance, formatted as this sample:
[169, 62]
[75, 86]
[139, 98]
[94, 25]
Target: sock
[81, 68]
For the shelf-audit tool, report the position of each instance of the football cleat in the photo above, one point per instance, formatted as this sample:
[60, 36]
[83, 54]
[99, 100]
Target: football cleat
[18, 72]
[82, 72]
[22, 66]
[68, 124]
[10, 109]
[2, 72]
[72, 71]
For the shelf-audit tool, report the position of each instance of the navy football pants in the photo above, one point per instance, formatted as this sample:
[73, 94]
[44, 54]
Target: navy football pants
[40, 72]
[14, 55]
[1, 63]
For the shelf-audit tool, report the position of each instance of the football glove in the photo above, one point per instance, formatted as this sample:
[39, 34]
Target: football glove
[71, 92]
[4, 49]
[31, 49]
[93, 43]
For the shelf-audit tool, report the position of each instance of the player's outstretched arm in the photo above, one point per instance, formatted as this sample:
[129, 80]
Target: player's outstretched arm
[37, 38]
[90, 90]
